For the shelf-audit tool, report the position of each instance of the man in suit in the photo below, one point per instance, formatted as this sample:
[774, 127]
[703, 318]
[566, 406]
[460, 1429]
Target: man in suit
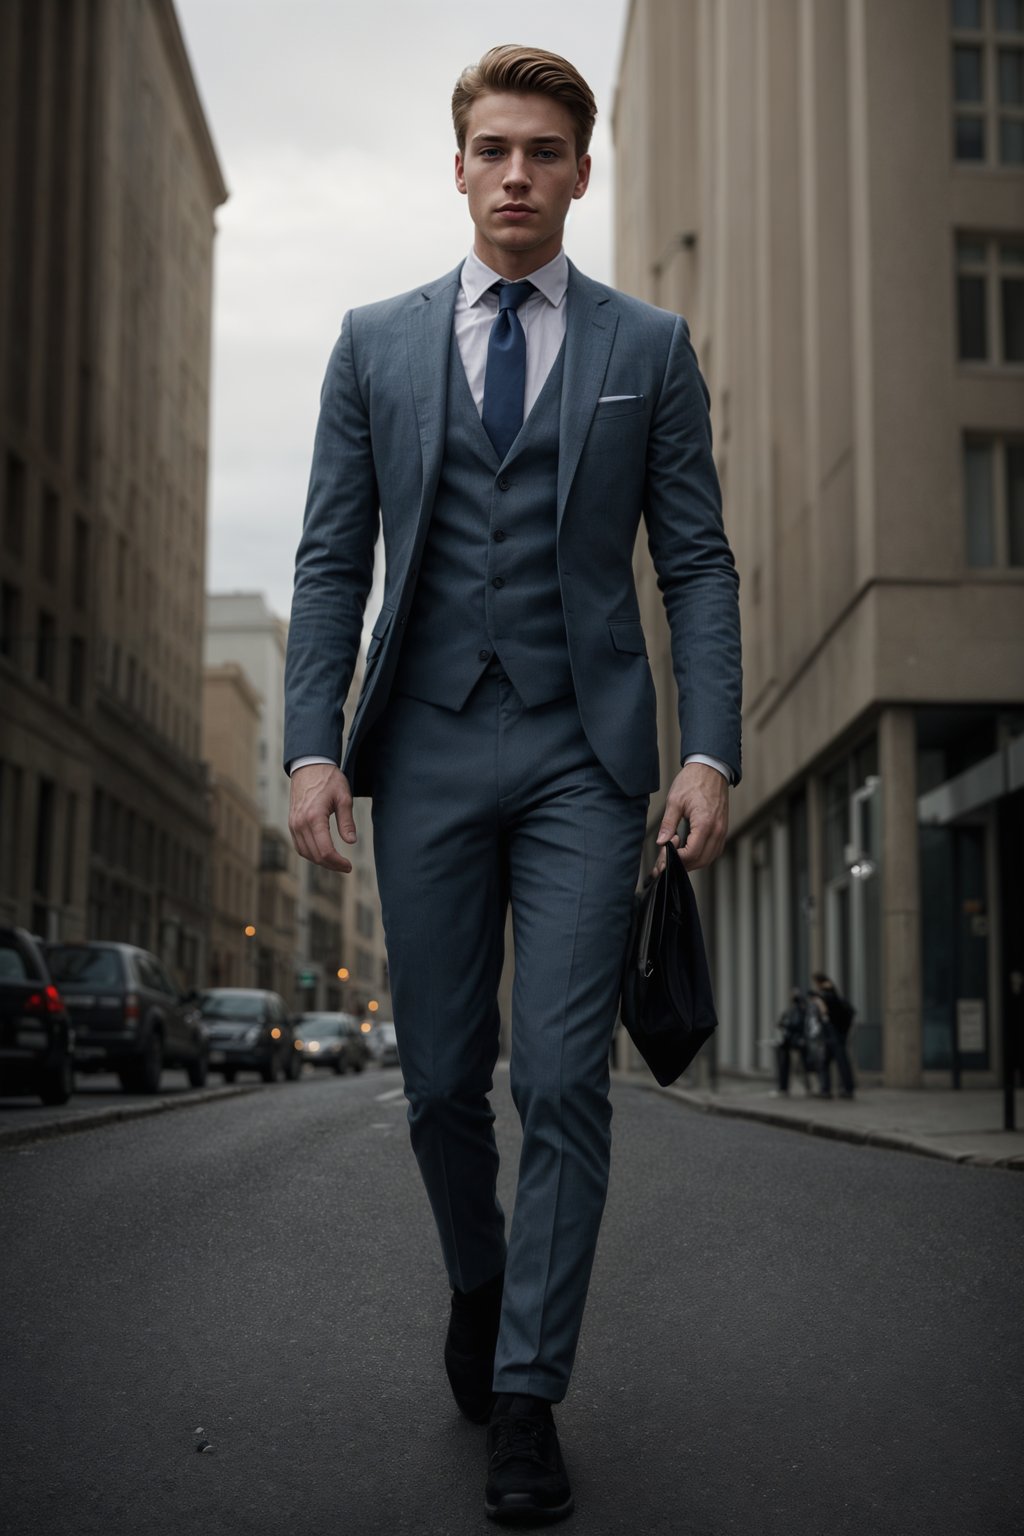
[510, 424]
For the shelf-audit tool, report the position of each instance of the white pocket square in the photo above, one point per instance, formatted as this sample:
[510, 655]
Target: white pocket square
[606, 399]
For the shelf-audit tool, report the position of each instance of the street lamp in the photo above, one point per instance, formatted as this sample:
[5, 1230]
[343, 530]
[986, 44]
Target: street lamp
[373, 1005]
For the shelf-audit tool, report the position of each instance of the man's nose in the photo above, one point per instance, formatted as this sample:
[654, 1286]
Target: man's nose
[517, 172]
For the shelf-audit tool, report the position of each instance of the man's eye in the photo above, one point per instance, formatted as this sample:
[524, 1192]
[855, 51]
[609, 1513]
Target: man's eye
[491, 152]
[547, 154]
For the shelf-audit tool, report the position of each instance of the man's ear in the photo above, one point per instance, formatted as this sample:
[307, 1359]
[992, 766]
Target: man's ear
[460, 173]
[582, 176]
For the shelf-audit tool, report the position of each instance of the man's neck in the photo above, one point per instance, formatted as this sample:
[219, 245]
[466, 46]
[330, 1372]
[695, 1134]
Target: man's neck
[513, 266]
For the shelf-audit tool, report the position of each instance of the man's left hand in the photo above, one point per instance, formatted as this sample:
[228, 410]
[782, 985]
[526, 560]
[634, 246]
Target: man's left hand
[701, 795]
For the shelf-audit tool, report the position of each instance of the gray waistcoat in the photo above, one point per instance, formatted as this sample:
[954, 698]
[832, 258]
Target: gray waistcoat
[488, 582]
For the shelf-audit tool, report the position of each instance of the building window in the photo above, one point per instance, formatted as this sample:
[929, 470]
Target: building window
[10, 621]
[70, 830]
[988, 81]
[990, 299]
[993, 471]
[14, 506]
[49, 543]
[80, 568]
[46, 648]
[76, 672]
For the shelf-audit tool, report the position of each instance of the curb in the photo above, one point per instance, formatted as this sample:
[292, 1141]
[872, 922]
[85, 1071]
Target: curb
[91, 1120]
[828, 1130]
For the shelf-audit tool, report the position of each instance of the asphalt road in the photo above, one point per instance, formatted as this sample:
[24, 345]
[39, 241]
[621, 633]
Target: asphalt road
[784, 1336]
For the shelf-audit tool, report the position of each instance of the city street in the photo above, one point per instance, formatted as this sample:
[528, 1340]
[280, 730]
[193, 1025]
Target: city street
[786, 1335]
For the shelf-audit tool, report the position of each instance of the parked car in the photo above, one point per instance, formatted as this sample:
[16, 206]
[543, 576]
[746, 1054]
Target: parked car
[250, 1030]
[332, 1040]
[384, 1044]
[128, 1015]
[35, 1029]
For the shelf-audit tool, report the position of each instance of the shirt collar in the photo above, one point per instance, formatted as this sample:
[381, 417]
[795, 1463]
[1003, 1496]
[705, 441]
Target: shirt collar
[551, 280]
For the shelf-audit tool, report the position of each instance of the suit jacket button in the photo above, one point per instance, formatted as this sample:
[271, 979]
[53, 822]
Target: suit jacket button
[499, 581]
[484, 655]
[498, 535]
[504, 483]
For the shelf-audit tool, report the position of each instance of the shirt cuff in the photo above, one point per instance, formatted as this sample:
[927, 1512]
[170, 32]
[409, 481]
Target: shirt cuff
[712, 762]
[305, 762]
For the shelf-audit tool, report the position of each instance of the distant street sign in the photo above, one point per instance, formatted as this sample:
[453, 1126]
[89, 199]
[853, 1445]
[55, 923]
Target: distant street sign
[307, 978]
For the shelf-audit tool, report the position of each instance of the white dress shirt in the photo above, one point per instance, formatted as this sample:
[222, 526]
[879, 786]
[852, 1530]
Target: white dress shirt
[542, 316]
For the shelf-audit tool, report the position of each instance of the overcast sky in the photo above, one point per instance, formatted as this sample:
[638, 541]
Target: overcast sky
[332, 122]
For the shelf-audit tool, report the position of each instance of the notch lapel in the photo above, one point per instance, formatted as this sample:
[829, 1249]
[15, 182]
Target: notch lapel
[590, 325]
[429, 337]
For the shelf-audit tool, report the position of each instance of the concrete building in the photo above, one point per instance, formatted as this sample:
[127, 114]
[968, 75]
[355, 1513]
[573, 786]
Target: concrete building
[106, 252]
[231, 719]
[832, 192]
[336, 920]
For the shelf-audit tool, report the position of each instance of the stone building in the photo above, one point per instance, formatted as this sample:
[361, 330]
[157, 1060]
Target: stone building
[231, 722]
[833, 194]
[106, 252]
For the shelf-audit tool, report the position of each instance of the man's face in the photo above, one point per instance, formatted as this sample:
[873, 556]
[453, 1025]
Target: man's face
[520, 173]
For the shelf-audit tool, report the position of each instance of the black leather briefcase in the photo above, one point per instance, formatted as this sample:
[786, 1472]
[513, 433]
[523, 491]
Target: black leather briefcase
[667, 1003]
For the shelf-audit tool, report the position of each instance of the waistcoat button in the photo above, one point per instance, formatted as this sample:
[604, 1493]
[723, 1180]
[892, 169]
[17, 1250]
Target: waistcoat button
[484, 655]
[499, 581]
[498, 535]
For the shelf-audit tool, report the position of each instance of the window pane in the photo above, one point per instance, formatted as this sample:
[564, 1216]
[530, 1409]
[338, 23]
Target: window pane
[970, 253]
[1013, 319]
[1011, 255]
[967, 13]
[973, 336]
[1015, 500]
[1011, 76]
[981, 544]
[970, 138]
[968, 79]
[1011, 140]
[1009, 16]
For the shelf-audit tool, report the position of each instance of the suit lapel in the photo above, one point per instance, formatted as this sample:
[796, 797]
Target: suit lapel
[590, 324]
[429, 337]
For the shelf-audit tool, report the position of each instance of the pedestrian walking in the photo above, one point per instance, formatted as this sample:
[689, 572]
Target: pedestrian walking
[793, 1036]
[510, 423]
[837, 1016]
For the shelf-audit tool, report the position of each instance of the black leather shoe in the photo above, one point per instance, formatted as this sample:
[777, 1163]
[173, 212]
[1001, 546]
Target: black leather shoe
[526, 1477]
[470, 1345]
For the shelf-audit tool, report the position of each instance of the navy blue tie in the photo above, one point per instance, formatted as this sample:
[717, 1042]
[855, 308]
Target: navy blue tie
[505, 379]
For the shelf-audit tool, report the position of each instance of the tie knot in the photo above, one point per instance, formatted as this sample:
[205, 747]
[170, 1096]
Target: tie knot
[511, 295]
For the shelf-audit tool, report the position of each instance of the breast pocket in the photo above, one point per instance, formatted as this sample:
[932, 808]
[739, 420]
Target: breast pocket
[611, 410]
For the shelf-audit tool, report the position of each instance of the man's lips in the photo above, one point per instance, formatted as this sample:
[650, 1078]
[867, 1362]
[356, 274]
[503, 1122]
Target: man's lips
[515, 210]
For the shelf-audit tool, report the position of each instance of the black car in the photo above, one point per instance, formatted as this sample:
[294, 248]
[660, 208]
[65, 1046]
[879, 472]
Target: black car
[332, 1040]
[128, 1015]
[35, 1030]
[249, 1029]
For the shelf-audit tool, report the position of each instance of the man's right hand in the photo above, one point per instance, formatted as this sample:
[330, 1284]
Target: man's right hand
[318, 790]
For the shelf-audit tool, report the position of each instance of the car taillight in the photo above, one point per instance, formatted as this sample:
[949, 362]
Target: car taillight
[131, 1007]
[46, 1001]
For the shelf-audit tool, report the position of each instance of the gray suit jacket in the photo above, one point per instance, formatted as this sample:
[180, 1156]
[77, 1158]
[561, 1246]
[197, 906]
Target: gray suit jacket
[377, 456]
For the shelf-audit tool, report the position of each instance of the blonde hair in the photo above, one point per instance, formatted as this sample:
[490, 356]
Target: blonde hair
[511, 67]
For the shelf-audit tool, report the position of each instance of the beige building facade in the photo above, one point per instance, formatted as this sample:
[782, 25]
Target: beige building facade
[231, 720]
[832, 192]
[106, 256]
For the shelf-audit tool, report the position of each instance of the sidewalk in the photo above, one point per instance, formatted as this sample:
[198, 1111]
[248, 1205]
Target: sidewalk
[963, 1127]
